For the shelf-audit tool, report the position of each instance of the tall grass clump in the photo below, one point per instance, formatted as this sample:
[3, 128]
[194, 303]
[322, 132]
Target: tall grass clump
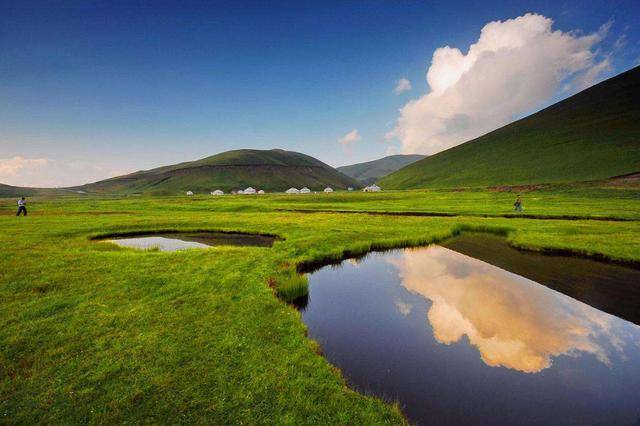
[292, 286]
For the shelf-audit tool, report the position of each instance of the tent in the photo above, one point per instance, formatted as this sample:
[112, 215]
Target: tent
[292, 191]
[328, 190]
[249, 190]
[217, 192]
[240, 192]
[261, 192]
[305, 190]
[189, 192]
[372, 188]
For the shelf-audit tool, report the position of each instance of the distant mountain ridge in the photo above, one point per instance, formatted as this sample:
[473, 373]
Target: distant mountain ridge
[19, 191]
[592, 135]
[271, 170]
[370, 171]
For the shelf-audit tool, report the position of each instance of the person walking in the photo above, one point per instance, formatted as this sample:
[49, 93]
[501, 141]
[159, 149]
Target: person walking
[22, 206]
[518, 204]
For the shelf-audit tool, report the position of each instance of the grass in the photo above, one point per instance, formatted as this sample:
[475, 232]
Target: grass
[291, 286]
[592, 135]
[94, 333]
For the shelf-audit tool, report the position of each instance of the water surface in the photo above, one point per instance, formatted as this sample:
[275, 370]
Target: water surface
[181, 241]
[457, 340]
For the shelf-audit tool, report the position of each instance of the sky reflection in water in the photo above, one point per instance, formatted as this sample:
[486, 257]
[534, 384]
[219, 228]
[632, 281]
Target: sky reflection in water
[456, 340]
[512, 321]
[191, 240]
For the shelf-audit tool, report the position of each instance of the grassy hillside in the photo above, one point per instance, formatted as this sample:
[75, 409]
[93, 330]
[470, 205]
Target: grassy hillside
[18, 191]
[15, 191]
[272, 170]
[370, 171]
[594, 134]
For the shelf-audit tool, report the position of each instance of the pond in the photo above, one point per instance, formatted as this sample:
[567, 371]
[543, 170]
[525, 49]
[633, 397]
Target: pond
[464, 333]
[190, 240]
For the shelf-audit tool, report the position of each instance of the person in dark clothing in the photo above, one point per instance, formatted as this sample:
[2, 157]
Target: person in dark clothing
[518, 204]
[22, 206]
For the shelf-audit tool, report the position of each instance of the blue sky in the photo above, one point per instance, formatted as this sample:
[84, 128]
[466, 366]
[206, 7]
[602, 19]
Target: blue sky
[88, 89]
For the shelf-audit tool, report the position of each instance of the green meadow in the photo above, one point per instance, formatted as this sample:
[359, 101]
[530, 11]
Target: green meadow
[94, 333]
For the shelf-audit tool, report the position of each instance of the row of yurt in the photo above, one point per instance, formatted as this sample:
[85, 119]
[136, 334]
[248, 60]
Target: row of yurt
[250, 191]
[305, 190]
[372, 188]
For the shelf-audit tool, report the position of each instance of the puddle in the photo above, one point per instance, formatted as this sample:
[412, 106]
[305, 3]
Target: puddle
[181, 241]
[465, 333]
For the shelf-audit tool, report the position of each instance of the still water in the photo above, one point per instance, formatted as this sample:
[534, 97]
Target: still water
[457, 340]
[181, 241]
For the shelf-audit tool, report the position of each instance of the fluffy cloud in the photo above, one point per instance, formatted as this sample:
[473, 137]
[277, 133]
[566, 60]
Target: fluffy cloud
[350, 138]
[47, 173]
[402, 86]
[516, 66]
[11, 167]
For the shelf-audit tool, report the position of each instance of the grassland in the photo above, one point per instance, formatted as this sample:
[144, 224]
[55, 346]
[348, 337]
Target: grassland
[94, 333]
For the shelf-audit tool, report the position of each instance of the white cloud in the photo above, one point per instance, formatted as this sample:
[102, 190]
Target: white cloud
[620, 42]
[402, 86]
[11, 167]
[515, 67]
[350, 138]
[48, 173]
[391, 150]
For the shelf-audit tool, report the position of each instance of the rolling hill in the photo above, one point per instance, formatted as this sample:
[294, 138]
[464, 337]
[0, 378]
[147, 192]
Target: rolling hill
[370, 171]
[271, 170]
[15, 191]
[19, 191]
[592, 135]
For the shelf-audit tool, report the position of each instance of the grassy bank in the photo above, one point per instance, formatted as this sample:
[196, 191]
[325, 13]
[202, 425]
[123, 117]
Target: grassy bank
[90, 332]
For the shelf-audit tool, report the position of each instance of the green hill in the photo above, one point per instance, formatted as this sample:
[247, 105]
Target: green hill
[271, 170]
[19, 191]
[592, 135]
[370, 171]
[15, 191]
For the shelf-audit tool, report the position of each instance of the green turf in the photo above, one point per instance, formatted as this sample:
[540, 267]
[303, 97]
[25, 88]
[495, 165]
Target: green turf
[592, 135]
[94, 333]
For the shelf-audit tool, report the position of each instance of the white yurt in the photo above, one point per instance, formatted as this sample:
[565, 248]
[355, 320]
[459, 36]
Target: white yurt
[240, 192]
[292, 191]
[305, 190]
[189, 192]
[372, 188]
[249, 190]
[261, 192]
[217, 192]
[328, 190]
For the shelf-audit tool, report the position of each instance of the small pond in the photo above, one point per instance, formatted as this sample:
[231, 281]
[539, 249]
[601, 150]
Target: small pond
[190, 240]
[465, 333]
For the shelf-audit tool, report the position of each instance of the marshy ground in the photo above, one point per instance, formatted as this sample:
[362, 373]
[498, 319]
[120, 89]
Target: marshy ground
[92, 332]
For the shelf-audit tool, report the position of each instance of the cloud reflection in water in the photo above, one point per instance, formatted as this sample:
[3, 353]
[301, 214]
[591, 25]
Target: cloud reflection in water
[512, 321]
